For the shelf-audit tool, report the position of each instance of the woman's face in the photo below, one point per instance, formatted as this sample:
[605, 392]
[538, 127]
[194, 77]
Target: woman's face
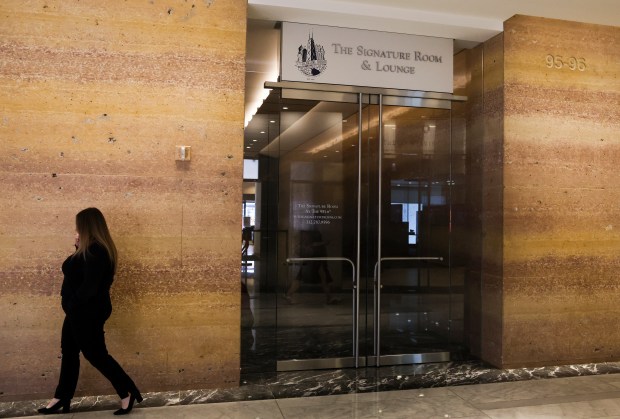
[77, 238]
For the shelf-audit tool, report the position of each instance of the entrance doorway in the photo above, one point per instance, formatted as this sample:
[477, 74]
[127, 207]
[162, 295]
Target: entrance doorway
[356, 259]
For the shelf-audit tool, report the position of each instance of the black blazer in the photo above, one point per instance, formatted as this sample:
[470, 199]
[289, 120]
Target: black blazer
[86, 286]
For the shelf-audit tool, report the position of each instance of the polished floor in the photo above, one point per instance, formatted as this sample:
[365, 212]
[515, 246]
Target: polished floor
[595, 396]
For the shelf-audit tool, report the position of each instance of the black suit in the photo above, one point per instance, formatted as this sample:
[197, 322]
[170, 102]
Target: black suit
[86, 302]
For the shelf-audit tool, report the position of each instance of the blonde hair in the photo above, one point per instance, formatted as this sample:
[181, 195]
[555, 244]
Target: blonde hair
[92, 228]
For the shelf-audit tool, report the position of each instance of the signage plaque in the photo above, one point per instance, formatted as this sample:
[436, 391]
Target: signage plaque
[355, 57]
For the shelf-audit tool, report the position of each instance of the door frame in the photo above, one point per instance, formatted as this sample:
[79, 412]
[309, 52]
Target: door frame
[364, 96]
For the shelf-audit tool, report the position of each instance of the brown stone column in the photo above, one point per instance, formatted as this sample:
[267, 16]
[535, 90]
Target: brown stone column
[551, 251]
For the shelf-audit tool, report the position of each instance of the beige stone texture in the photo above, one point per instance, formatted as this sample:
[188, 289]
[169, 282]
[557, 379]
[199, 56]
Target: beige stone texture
[561, 239]
[492, 115]
[96, 95]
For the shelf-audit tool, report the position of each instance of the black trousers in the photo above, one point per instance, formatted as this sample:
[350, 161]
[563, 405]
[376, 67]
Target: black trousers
[86, 335]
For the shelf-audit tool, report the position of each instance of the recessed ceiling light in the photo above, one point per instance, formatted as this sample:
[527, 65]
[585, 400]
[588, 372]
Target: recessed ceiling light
[254, 141]
[262, 132]
[272, 121]
[285, 107]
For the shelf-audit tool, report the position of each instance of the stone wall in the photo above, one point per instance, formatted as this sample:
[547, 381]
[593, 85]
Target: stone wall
[468, 122]
[491, 289]
[95, 97]
[560, 250]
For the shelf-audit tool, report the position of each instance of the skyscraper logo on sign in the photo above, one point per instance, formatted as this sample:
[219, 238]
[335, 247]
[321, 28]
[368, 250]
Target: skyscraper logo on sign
[311, 58]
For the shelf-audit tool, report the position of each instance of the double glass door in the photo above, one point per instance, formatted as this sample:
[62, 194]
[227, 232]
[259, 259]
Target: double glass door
[356, 217]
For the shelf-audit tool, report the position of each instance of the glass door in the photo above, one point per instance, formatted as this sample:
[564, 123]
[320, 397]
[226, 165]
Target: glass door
[354, 216]
[317, 150]
[411, 267]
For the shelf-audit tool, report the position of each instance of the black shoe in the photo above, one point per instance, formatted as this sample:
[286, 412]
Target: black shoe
[132, 398]
[64, 403]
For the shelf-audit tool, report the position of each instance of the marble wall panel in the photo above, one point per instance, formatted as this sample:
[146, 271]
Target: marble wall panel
[97, 96]
[561, 150]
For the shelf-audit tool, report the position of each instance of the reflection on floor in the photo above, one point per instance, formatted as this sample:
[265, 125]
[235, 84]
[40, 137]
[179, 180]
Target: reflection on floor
[424, 391]
[294, 312]
[311, 326]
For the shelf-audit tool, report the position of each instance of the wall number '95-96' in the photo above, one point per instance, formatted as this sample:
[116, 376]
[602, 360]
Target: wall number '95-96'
[572, 63]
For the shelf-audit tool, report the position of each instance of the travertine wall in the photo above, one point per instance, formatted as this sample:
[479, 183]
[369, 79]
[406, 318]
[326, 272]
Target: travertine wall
[468, 122]
[492, 280]
[559, 256]
[95, 96]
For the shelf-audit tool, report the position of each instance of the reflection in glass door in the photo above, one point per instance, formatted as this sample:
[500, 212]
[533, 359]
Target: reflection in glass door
[317, 152]
[412, 266]
[356, 210]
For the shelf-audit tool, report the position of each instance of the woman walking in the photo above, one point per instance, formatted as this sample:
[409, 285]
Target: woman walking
[88, 275]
